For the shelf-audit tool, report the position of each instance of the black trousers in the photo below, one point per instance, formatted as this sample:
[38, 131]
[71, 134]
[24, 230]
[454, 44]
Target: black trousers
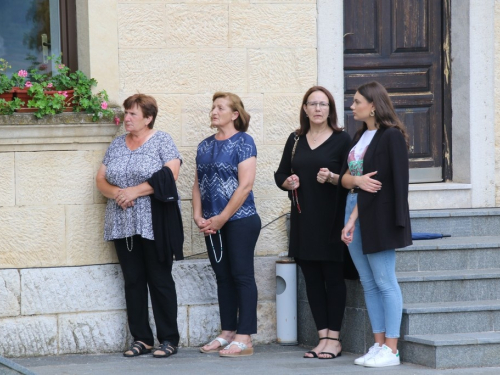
[236, 287]
[326, 292]
[142, 269]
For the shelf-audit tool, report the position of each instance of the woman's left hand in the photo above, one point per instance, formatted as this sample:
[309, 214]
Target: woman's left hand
[126, 197]
[323, 175]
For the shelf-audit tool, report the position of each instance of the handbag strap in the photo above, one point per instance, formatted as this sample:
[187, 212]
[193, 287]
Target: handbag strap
[296, 139]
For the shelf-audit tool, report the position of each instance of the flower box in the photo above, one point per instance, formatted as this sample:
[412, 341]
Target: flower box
[7, 96]
[52, 93]
[23, 95]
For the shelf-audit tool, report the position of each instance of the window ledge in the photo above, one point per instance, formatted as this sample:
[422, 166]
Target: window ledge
[66, 131]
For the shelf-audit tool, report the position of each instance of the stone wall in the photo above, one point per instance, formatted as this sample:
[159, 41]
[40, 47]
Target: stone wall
[497, 102]
[48, 311]
[181, 52]
[61, 290]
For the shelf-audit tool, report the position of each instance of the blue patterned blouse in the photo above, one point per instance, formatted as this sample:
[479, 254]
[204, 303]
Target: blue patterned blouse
[217, 167]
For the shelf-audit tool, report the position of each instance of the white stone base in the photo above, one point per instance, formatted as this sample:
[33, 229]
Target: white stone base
[50, 311]
[440, 196]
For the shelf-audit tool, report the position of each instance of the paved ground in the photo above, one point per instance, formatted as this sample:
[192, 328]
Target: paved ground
[268, 359]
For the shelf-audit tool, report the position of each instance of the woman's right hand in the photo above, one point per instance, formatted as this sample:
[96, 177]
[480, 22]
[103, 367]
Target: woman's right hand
[292, 182]
[202, 224]
[369, 184]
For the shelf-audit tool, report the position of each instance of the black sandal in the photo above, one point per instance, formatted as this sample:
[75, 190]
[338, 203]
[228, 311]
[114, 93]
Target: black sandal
[167, 348]
[137, 348]
[333, 356]
[314, 354]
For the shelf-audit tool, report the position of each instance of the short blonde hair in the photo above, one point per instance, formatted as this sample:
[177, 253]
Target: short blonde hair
[243, 120]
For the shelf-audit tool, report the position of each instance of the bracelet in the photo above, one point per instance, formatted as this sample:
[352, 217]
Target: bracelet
[330, 179]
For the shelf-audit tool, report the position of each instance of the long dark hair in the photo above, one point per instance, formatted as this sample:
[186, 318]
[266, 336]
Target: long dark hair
[332, 115]
[385, 115]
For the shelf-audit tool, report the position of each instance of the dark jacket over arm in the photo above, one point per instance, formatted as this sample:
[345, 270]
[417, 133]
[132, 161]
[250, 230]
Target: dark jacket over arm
[384, 217]
[166, 214]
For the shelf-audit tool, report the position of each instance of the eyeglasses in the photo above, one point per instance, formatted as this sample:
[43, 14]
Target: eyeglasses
[315, 104]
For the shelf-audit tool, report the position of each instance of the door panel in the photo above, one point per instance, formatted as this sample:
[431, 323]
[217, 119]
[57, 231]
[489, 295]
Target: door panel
[398, 43]
[422, 145]
[392, 79]
[411, 25]
[365, 39]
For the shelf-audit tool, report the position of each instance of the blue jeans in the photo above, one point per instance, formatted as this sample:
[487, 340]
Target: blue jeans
[377, 273]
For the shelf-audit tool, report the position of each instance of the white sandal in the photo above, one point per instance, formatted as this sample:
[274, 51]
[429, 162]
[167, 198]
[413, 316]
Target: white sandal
[245, 350]
[222, 342]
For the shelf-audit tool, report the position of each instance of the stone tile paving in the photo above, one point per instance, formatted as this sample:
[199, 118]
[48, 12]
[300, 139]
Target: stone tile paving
[268, 359]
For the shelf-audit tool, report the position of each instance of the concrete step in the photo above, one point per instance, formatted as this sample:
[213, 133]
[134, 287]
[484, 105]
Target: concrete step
[459, 253]
[457, 222]
[474, 349]
[450, 317]
[450, 285]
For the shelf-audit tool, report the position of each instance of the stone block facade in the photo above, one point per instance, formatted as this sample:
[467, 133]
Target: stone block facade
[48, 311]
[61, 290]
[181, 52]
[497, 100]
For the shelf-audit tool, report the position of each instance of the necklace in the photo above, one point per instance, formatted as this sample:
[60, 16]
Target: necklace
[314, 138]
[127, 225]
[127, 222]
[213, 248]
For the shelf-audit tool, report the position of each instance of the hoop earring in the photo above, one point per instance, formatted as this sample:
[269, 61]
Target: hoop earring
[372, 113]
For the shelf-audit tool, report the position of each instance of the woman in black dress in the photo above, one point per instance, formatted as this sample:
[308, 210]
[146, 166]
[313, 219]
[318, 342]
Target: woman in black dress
[309, 170]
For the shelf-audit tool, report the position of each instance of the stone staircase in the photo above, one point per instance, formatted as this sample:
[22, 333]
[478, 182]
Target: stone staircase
[451, 290]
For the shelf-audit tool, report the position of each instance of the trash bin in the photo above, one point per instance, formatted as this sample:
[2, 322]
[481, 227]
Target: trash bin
[286, 301]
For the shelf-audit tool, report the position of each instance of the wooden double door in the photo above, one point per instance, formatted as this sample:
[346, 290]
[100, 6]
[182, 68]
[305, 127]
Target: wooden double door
[402, 45]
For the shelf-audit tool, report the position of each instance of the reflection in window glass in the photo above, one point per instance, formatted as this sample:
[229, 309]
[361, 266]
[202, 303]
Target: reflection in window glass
[29, 33]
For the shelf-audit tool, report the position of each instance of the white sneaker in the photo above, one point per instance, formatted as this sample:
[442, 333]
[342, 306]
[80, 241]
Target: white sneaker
[385, 357]
[371, 352]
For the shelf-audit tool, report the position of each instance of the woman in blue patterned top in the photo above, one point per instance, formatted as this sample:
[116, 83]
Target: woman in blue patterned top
[124, 178]
[224, 210]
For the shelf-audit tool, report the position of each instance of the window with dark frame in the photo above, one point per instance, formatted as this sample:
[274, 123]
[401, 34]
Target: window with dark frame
[33, 30]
